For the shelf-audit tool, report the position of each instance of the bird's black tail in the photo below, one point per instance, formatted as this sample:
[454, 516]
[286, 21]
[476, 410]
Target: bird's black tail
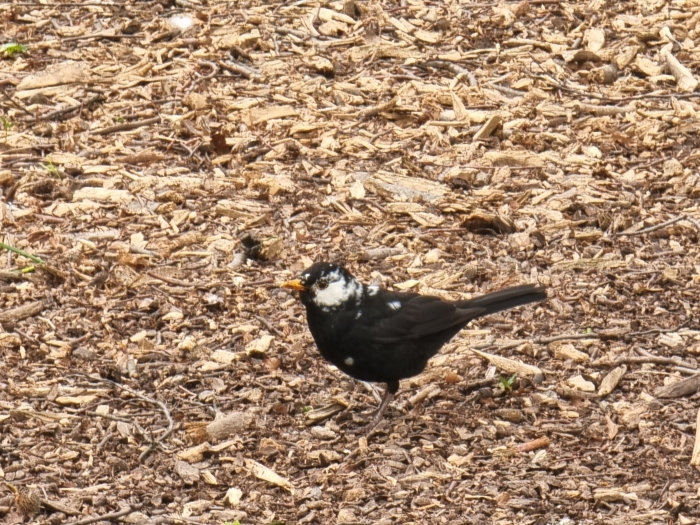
[504, 299]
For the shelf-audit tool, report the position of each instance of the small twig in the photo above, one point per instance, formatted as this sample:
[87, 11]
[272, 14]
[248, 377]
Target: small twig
[58, 507]
[105, 440]
[262, 150]
[542, 442]
[177, 521]
[450, 488]
[547, 340]
[661, 330]
[242, 70]
[9, 275]
[383, 252]
[653, 228]
[482, 383]
[507, 91]
[446, 230]
[685, 387]
[75, 342]
[212, 65]
[603, 334]
[645, 353]
[241, 52]
[142, 251]
[106, 517]
[572, 393]
[477, 167]
[456, 69]
[171, 423]
[170, 280]
[16, 104]
[166, 434]
[269, 326]
[543, 341]
[68, 109]
[126, 420]
[648, 96]
[657, 360]
[694, 222]
[532, 2]
[24, 311]
[50, 218]
[127, 126]
[27, 338]
[68, 4]
[262, 282]
[293, 32]
[101, 35]
[375, 110]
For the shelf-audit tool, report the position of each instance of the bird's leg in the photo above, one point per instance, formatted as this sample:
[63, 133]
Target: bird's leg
[380, 413]
[391, 388]
[370, 388]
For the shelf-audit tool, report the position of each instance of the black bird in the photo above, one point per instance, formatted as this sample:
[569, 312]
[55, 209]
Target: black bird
[377, 335]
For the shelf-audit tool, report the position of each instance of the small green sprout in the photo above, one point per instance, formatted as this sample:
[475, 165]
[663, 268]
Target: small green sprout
[51, 169]
[507, 382]
[11, 48]
[6, 125]
[307, 409]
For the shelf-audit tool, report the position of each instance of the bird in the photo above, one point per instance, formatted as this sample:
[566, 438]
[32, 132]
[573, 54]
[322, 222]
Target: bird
[381, 336]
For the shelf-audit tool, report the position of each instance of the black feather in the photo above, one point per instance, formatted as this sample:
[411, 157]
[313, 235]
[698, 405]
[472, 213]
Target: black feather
[505, 299]
[385, 336]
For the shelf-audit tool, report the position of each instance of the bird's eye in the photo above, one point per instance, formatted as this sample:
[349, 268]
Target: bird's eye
[322, 285]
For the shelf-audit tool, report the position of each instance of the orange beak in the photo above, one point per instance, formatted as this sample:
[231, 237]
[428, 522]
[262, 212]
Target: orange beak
[295, 284]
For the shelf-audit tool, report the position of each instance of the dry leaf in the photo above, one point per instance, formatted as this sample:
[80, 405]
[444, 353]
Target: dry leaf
[262, 472]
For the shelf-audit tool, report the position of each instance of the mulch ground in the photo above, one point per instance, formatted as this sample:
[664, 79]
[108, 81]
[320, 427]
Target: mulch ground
[165, 164]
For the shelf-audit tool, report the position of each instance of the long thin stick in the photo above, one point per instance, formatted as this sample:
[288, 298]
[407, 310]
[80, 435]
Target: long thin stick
[107, 517]
[654, 228]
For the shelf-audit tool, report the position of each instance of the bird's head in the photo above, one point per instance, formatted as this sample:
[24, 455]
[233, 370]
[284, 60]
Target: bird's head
[327, 286]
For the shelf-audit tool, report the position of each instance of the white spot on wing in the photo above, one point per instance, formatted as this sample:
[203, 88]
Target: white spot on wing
[349, 361]
[373, 290]
[394, 305]
[359, 314]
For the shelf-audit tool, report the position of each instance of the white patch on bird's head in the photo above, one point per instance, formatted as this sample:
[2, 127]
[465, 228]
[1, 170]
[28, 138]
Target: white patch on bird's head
[334, 290]
[373, 290]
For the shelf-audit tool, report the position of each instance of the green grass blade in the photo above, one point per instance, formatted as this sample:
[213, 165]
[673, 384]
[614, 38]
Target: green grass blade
[33, 258]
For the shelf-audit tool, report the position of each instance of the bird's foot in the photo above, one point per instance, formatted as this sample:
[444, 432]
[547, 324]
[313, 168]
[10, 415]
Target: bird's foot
[379, 414]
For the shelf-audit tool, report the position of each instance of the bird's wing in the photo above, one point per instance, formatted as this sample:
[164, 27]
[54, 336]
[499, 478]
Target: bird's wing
[408, 317]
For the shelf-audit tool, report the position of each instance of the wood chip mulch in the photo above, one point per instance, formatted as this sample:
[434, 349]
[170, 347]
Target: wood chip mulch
[165, 164]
